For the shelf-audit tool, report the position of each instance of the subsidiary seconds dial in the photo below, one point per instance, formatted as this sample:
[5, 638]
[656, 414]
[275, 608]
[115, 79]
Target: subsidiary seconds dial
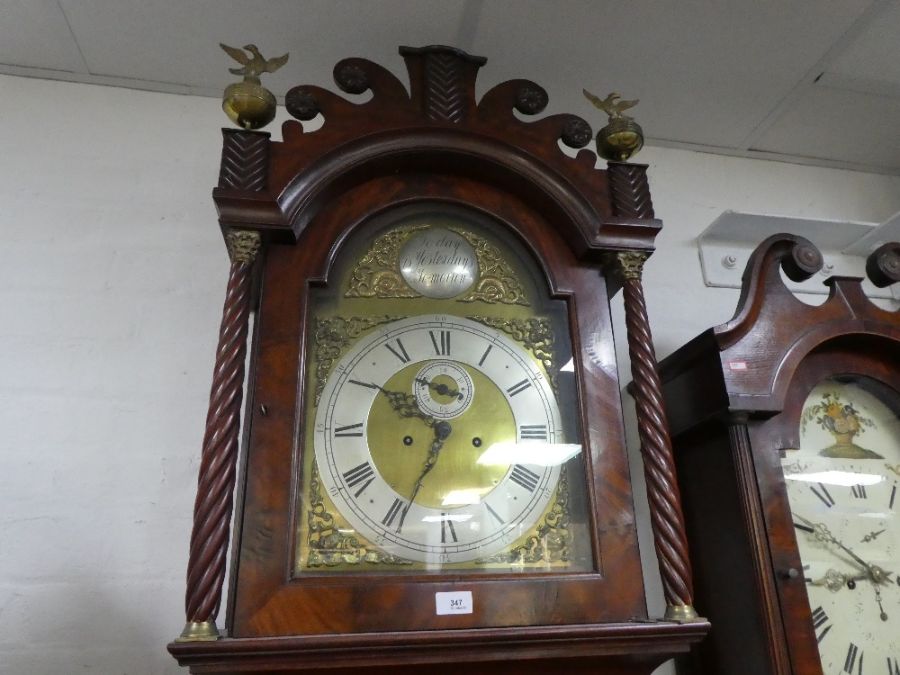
[439, 439]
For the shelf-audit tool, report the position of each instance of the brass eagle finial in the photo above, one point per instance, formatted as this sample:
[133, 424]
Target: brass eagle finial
[247, 103]
[255, 64]
[612, 105]
[622, 137]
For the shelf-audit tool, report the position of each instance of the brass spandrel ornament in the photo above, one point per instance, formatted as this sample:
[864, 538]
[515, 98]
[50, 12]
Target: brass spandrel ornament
[622, 137]
[497, 281]
[247, 103]
[423, 261]
[328, 539]
[332, 335]
[535, 334]
[550, 541]
[377, 274]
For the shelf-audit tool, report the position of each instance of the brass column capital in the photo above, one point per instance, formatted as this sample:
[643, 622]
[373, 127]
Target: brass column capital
[627, 265]
[243, 245]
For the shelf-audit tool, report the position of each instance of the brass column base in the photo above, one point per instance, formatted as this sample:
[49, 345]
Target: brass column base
[681, 614]
[199, 631]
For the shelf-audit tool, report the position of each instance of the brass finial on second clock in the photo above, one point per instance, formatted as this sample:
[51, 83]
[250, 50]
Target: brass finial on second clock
[622, 137]
[247, 103]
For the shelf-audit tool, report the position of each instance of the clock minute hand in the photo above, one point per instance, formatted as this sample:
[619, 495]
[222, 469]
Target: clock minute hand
[822, 533]
[441, 432]
[875, 573]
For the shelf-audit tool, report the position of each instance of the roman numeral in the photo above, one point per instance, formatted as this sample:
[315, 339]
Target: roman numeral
[805, 528]
[395, 510]
[447, 526]
[518, 387]
[822, 494]
[535, 431]
[364, 473]
[485, 355]
[494, 513]
[368, 385]
[852, 653]
[398, 350]
[893, 495]
[441, 344]
[526, 478]
[819, 619]
[346, 431]
[859, 491]
[893, 666]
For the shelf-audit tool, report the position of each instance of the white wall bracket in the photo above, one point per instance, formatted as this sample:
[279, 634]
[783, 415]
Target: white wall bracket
[726, 245]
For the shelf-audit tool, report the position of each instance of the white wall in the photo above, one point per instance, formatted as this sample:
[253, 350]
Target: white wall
[111, 290]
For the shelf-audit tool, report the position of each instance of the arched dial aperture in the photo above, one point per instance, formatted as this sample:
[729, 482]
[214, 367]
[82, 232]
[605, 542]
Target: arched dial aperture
[434, 438]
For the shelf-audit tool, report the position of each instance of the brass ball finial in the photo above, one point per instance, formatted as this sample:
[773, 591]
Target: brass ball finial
[622, 137]
[247, 103]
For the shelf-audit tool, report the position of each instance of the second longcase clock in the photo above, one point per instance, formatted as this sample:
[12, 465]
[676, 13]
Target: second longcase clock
[787, 436]
[435, 468]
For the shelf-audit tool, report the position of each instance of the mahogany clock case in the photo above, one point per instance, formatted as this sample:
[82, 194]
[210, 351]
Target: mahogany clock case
[356, 604]
[736, 395]
[310, 201]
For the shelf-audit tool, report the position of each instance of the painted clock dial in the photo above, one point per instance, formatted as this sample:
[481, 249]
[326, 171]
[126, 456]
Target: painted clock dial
[843, 493]
[472, 417]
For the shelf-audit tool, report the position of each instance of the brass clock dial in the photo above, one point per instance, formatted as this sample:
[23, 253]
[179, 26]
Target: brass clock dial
[478, 464]
[842, 487]
[436, 435]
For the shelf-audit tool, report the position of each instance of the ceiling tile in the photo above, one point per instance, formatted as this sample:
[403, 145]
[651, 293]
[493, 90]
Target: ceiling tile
[858, 128]
[706, 72]
[873, 54]
[178, 42]
[710, 75]
[34, 34]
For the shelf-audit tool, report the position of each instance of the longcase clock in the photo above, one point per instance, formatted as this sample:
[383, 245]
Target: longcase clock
[433, 469]
[786, 423]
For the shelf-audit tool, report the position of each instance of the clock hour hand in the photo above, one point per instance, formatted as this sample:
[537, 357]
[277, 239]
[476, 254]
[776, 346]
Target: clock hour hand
[835, 581]
[872, 536]
[405, 405]
[441, 389]
[441, 432]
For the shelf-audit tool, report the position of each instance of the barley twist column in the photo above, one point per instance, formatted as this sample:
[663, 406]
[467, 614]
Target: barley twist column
[215, 485]
[656, 447]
